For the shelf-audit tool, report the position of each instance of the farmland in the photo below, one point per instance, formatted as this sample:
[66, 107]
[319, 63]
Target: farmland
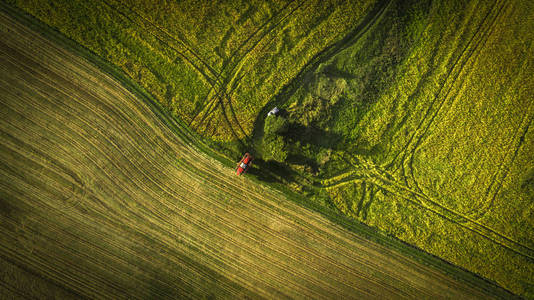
[413, 117]
[101, 197]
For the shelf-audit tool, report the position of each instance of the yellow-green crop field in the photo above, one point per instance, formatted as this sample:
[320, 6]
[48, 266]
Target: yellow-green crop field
[211, 63]
[412, 117]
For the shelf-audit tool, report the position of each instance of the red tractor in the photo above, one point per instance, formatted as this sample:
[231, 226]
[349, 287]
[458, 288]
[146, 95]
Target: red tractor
[244, 164]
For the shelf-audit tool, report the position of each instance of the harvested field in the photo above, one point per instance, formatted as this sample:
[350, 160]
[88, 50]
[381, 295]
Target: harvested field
[99, 198]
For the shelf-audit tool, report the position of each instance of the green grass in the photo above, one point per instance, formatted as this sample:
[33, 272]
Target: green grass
[412, 117]
[209, 63]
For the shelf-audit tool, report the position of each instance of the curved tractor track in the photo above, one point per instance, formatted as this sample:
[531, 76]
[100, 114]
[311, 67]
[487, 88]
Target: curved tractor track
[99, 198]
[222, 82]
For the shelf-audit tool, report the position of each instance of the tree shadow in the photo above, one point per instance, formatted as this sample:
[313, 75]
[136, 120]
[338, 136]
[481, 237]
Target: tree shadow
[297, 136]
[332, 71]
[272, 171]
[299, 159]
[314, 140]
[314, 136]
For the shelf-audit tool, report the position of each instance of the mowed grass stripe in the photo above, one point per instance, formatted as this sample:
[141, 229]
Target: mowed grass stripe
[136, 194]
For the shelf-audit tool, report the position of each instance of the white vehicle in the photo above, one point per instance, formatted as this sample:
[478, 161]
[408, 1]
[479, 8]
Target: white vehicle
[273, 112]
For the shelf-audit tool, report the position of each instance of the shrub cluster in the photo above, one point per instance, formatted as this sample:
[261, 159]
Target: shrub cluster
[273, 141]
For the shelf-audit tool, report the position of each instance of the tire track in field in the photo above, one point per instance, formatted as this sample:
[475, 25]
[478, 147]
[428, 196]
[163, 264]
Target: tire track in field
[161, 204]
[366, 171]
[495, 186]
[375, 13]
[411, 153]
[178, 40]
[418, 137]
[403, 151]
[483, 38]
[477, 213]
[232, 82]
[216, 101]
[180, 53]
[227, 61]
[213, 78]
[505, 165]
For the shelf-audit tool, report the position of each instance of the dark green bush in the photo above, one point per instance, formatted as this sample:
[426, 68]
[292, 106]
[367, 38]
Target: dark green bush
[275, 148]
[275, 125]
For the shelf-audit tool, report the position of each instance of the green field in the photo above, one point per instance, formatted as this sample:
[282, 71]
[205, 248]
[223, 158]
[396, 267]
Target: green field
[412, 117]
[209, 62]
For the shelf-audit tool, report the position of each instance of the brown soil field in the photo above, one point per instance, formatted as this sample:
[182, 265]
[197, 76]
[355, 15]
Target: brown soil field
[100, 199]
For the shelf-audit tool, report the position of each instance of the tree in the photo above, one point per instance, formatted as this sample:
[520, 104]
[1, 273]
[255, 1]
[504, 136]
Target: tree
[275, 148]
[275, 125]
[273, 142]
